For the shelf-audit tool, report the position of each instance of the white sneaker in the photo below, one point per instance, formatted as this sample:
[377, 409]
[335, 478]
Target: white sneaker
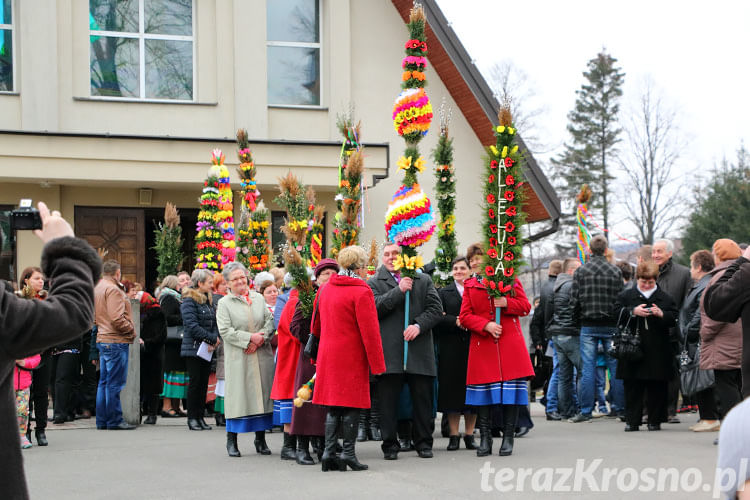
[707, 426]
[692, 427]
[598, 414]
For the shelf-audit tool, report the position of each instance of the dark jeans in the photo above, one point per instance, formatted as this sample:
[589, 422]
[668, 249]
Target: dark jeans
[656, 401]
[66, 366]
[113, 373]
[198, 369]
[39, 401]
[568, 357]
[421, 388]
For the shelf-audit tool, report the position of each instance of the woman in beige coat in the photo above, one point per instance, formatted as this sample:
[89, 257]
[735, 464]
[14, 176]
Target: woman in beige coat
[246, 325]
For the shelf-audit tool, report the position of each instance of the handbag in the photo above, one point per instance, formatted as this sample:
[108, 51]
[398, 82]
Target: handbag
[692, 379]
[626, 345]
[175, 332]
[311, 347]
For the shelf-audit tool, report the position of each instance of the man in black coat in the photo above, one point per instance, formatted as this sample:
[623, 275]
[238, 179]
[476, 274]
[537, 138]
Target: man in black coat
[27, 327]
[674, 279]
[425, 311]
[728, 300]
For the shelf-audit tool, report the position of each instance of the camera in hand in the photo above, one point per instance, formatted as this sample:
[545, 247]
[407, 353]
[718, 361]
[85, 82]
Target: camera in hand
[25, 217]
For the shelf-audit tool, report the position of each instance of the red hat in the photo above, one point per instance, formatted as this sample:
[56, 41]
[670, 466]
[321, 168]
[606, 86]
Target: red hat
[326, 264]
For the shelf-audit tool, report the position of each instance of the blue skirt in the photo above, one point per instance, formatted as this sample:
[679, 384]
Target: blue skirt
[282, 411]
[252, 423]
[511, 392]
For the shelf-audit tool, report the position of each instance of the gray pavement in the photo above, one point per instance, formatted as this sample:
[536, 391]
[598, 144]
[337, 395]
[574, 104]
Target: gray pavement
[167, 461]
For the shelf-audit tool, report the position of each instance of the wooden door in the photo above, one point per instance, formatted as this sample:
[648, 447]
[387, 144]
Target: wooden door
[118, 230]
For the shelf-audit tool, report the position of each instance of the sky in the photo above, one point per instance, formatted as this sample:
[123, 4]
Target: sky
[695, 53]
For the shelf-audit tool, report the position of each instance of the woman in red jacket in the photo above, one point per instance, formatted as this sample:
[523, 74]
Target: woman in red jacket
[499, 361]
[346, 321]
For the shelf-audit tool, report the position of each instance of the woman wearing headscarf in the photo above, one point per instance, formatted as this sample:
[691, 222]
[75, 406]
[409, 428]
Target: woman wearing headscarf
[175, 372]
[346, 321]
[308, 420]
[246, 325]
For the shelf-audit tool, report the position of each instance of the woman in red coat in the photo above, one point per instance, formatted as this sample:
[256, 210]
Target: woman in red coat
[499, 361]
[283, 390]
[346, 321]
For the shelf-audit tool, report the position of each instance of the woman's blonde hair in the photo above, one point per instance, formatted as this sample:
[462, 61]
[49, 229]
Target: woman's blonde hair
[170, 281]
[353, 257]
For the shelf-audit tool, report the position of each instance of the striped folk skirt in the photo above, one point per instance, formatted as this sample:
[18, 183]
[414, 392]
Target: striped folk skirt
[282, 411]
[251, 423]
[511, 392]
[175, 385]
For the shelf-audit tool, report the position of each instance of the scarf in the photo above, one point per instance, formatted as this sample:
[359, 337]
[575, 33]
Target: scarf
[350, 273]
[173, 293]
[647, 293]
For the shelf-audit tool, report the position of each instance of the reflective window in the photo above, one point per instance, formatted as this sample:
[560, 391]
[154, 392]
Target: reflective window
[6, 46]
[142, 49]
[293, 31]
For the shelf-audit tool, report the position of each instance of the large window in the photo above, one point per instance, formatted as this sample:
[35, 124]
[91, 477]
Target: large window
[6, 45]
[142, 49]
[293, 31]
[7, 255]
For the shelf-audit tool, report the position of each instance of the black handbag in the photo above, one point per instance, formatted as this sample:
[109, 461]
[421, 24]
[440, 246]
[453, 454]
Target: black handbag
[692, 379]
[626, 345]
[175, 332]
[311, 347]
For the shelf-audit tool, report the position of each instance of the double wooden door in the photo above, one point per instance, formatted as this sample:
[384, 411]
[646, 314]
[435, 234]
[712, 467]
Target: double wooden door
[119, 231]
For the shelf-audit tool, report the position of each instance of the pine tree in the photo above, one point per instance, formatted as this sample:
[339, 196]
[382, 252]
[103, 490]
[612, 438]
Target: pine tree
[594, 132]
[168, 243]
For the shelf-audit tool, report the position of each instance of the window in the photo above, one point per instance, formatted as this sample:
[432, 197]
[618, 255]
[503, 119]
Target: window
[293, 52]
[142, 49]
[7, 244]
[6, 46]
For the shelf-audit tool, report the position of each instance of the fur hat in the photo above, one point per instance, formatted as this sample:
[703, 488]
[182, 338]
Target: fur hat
[726, 249]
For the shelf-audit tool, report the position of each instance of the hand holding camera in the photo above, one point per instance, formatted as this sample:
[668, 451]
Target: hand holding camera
[53, 225]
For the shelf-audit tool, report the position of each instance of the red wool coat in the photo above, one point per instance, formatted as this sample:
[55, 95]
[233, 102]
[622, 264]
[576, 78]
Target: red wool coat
[346, 321]
[508, 359]
[287, 354]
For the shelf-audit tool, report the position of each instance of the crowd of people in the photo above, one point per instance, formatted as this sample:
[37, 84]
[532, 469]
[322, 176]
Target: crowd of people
[240, 347]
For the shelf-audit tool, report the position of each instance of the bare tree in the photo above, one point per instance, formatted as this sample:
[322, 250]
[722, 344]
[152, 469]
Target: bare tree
[655, 145]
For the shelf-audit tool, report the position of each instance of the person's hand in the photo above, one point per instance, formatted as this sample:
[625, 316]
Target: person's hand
[140, 341]
[405, 284]
[218, 341]
[95, 362]
[641, 310]
[21, 362]
[53, 225]
[493, 329]
[656, 311]
[251, 348]
[257, 339]
[211, 348]
[458, 322]
[411, 332]
[500, 302]
[746, 253]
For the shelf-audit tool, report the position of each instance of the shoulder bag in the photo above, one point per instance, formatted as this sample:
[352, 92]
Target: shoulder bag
[692, 379]
[626, 345]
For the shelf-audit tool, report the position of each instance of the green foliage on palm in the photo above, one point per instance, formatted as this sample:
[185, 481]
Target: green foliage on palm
[445, 192]
[168, 243]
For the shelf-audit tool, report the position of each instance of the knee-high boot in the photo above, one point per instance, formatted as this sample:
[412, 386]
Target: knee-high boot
[485, 433]
[510, 416]
[363, 424]
[232, 449]
[289, 449]
[375, 433]
[349, 423]
[330, 459]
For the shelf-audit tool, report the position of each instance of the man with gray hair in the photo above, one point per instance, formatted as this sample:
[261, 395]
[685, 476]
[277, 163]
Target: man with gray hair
[596, 285]
[674, 279]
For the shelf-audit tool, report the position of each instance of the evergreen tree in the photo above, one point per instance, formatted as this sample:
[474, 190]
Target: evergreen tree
[594, 132]
[723, 207]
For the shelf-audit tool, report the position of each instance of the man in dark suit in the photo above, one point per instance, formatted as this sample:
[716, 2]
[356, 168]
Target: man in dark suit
[425, 311]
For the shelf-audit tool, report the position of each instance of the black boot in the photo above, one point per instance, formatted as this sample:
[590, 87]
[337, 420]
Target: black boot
[204, 425]
[260, 443]
[510, 416]
[362, 429]
[485, 437]
[469, 442]
[318, 445]
[289, 450]
[330, 459]
[375, 433]
[303, 451]
[349, 424]
[220, 420]
[194, 424]
[232, 449]
[41, 437]
[453, 442]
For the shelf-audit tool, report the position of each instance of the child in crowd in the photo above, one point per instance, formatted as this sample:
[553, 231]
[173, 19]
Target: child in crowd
[21, 384]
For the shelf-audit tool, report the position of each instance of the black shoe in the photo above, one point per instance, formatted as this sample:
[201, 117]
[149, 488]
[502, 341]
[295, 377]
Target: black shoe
[194, 424]
[150, 420]
[41, 437]
[654, 427]
[349, 423]
[303, 451]
[405, 445]
[375, 434]
[221, 421]
[330, 459]
[485, 435]
[522, 431]
[260, 443]
[124, 426]
[203, 424]
[289, 449]
[469, 442]
[580, 417]
[426, 453]
[453, 443]
[59, 419]
[553, 415]
[232, 449]
[390, 455]
[631, 428]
